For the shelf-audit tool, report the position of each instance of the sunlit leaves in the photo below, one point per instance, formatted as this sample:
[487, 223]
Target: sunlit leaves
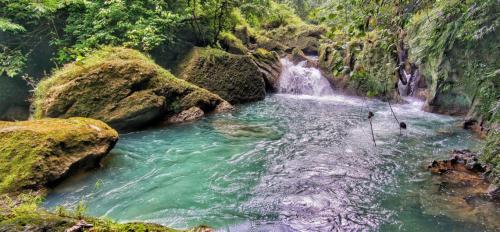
[12, 62]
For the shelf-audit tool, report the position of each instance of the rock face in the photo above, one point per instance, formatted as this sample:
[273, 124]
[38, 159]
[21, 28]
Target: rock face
[232, 44]
[37, 154]
[461, 161]
[190, 114]
[361, 66]
[121, 87]
[269, 65]
[303, 37]
[462, 70]
[236, 78]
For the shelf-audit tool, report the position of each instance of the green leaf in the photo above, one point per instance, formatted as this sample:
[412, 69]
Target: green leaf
[7, 26]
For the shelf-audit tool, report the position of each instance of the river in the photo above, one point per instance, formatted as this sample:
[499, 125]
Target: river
[292, 162]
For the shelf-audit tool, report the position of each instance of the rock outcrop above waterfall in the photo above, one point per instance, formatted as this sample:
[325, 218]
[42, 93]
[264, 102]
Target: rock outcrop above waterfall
[236, 78]
[304, 37]
[361, 66]
[121, 87]
[39, 153]
[269, 65]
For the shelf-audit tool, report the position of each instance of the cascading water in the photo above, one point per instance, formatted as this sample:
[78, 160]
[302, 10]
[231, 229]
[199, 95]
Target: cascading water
[300, 79]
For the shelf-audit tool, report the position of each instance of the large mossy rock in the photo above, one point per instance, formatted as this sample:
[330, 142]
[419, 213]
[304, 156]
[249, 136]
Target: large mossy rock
[236, 78]
[121, 87]
[39, 153]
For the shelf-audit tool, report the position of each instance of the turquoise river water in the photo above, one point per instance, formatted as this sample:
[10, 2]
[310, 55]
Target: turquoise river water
[288, 163]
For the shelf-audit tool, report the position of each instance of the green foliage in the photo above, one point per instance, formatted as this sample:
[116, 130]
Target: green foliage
[491, 151]
[22, 22]
[143, 25]
[12, 62]
[6, 25]
[455, 43]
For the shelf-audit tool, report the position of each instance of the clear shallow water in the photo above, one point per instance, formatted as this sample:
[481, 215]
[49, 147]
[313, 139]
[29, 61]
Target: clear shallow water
[288, 163]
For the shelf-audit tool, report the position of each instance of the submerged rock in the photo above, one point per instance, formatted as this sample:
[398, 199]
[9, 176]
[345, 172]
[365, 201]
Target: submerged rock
[40, 153]
[462, 190]
[235, 78]
[237, 129]
[463, 161]
[121, 87]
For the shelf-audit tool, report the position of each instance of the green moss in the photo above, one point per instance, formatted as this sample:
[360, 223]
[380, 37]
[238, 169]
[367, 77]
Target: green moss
[455, 43]
[364, 65]
[31, 148]
[302, 36]
[232, 44]
[22, 213]
[491, 153]
[119, 86]
[233, 77]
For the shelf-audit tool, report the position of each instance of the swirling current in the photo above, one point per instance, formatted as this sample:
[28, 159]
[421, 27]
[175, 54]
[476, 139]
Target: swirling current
[288, 163]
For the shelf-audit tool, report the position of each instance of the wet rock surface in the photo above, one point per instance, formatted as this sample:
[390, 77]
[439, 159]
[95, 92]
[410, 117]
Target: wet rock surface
[462, 190]
[190, 114]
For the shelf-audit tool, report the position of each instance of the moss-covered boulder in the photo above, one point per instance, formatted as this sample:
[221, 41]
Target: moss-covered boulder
[235, 78]
[121, 87]
[39, 153]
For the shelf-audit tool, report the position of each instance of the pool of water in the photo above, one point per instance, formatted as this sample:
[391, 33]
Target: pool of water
[288, 163]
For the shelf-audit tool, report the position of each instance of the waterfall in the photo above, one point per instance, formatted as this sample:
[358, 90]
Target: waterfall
[302, 80]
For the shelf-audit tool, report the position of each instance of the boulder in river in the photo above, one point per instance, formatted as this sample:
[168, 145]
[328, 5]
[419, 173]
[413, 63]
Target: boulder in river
[236, 78]
[121, 87]
[40, 153]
